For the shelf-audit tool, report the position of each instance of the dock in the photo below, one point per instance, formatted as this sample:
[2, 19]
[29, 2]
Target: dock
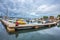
[11, 26]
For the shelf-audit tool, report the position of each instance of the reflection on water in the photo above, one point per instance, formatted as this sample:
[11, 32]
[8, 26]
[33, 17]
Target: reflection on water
[31, 34]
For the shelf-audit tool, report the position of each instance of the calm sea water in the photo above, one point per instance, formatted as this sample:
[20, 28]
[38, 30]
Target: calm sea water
[52, 33]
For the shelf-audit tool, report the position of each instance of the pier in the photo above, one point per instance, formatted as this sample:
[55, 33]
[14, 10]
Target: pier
[11, 26]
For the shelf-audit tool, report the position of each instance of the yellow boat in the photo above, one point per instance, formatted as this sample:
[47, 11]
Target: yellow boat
[21, 21]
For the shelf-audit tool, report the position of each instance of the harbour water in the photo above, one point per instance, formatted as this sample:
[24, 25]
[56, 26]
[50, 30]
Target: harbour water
[52, 33]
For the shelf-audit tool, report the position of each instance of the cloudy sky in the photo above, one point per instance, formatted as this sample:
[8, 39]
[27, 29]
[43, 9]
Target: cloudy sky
[30, 8]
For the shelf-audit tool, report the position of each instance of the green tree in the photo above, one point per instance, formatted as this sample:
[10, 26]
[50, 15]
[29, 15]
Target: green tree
[58, 16]
[45, 17]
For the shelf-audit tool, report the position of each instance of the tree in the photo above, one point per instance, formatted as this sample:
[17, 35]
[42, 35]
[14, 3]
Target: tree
[45, 17]
[58, 16]
[51, 17]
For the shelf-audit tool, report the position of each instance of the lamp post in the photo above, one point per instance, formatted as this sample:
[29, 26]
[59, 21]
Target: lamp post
[6, 14]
